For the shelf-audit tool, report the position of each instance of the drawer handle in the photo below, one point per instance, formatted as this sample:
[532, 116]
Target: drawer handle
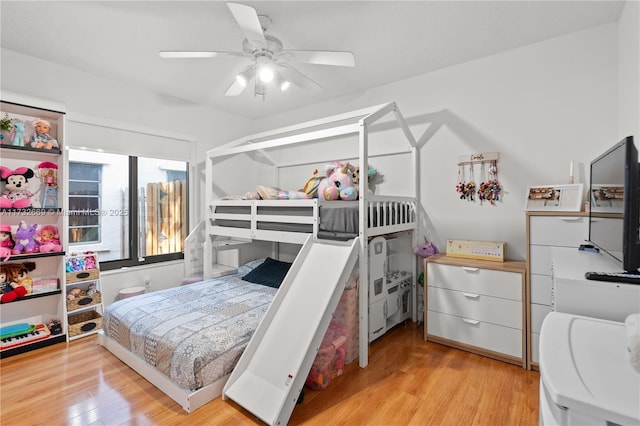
[470, 295]
[470, 269]
[569, 219]
[470, 321]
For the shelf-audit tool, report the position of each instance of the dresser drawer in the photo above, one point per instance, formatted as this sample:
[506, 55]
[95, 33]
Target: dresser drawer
[563, 231]
[475, 306]
[540, 260]
[541, 286]
[484, 335]
[489, 282]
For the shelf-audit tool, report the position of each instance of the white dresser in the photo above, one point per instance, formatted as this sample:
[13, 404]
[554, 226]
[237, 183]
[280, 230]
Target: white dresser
[477, 305]
[546, 230]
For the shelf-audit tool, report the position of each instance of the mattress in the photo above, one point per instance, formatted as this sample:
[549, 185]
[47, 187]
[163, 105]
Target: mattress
[192, 334]
[338, 219]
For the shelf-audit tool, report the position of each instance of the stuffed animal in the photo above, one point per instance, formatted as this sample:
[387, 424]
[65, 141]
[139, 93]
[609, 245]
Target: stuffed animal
[6, 242]
[25, 239]
[9, 288]
[269, 193]
[16, 185]
[338, 184]
[73, 293]
[426, 250]
[90, 261]
[17, 134]
[22, 276]
[49, 239]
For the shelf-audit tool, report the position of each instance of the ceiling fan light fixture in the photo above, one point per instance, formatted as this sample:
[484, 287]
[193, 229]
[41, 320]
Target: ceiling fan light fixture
[247, 74]
[265, 74]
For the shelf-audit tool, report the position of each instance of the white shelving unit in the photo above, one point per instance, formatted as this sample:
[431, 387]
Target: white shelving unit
[83, 306]
[44, 302]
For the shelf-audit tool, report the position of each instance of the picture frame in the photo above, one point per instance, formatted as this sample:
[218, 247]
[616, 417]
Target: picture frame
[565, 198]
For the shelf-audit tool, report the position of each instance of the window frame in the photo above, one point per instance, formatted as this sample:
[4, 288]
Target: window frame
[134, 229]
[99, 198]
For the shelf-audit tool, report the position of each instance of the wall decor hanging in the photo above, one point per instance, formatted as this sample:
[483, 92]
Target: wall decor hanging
[489, 189]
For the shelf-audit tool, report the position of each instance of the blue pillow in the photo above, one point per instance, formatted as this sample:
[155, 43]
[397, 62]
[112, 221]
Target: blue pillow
[270, 273]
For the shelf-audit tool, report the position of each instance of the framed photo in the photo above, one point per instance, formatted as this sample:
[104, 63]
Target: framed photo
[565, 198]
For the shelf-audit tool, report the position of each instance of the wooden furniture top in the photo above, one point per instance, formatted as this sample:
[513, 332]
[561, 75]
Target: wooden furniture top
[507, 266]
[551, 213]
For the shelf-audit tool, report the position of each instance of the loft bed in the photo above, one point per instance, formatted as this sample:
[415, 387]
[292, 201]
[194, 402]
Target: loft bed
[250, 224]
[238, 221]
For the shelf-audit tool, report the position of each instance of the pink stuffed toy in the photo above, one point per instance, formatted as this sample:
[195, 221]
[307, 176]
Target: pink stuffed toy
[338, 184]
[49, 239]
[16, 184]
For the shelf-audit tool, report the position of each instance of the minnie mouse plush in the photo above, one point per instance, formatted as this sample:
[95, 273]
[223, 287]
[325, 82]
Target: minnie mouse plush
[16, 185]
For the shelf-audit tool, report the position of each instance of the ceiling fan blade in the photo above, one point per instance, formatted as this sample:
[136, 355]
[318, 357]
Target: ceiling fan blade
[296, 77]
[235, 89]
[191, 54]
[321, 57]
[247, 19]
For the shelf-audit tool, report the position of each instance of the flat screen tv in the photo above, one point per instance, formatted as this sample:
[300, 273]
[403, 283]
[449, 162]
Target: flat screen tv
[614, 192]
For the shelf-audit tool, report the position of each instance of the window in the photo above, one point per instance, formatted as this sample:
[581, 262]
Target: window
[104, 212]
[84, 202]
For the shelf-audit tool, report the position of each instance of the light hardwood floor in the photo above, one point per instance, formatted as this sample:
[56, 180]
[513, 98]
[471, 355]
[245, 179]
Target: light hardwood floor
[407, 382]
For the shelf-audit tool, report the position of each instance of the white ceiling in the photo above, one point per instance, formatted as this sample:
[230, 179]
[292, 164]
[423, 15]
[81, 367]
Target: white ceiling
[391, 40]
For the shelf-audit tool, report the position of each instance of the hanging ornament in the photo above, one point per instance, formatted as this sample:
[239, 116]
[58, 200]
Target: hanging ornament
[470, 187]
[491, 189]
[461, 184]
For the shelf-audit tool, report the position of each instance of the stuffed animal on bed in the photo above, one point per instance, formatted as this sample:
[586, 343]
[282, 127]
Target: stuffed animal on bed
[337, 184]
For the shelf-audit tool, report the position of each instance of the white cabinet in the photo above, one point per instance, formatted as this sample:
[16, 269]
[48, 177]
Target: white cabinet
[476, 305]
[83, 307]
[545, 231]
[33, 223]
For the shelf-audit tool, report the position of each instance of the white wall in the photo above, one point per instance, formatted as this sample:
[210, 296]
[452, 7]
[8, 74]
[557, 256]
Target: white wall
[629, 72]
[540, 106]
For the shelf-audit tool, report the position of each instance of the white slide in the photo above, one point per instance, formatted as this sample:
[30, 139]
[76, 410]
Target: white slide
[273, 368]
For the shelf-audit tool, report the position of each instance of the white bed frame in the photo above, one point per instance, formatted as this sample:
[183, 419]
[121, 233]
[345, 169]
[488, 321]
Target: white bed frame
[357, 124]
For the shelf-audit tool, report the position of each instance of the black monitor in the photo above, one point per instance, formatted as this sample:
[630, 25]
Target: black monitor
[614, 193]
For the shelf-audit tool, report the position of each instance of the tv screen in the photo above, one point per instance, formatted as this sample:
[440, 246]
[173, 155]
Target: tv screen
[614, 193]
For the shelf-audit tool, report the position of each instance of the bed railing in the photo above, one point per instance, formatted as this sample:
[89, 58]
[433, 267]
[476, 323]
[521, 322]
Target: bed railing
[390, 214]
[293, 220]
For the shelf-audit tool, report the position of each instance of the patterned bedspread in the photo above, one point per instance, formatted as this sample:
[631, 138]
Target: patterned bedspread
[193, 334]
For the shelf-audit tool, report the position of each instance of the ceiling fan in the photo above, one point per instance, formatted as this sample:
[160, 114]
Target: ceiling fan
[270, 62]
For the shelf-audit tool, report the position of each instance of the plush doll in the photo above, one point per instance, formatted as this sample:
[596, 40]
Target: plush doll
[25, 239]
[8, 286]
[17, 134]
[6, 242]
[16, 185]
[338, 184]
[49, 239]
[41, 137]
[22, 276]
[73, 294]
